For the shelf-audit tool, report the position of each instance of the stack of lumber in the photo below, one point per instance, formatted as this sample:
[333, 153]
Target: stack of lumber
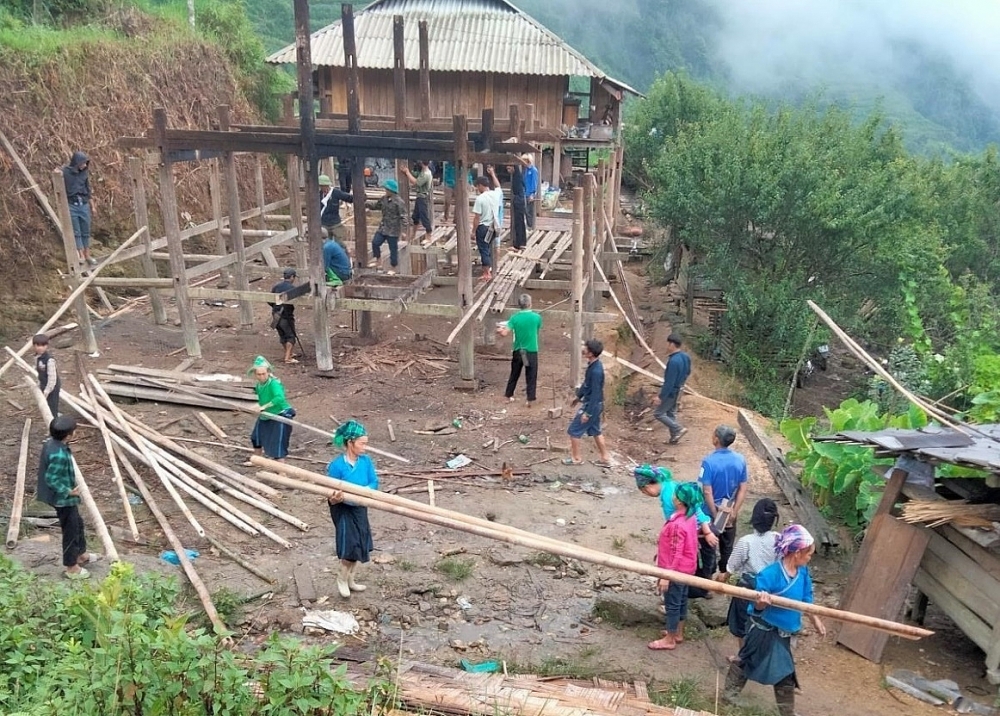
[515, 269]
[140, 383]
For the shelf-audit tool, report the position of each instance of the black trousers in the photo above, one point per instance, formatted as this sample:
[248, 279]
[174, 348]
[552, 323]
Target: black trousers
[727, 540]
[519, 228]
[74, 543]
[706, 566]
[53, 400]
[530, 365]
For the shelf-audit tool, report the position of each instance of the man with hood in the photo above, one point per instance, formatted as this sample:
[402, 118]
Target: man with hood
[77, 178]
[329, 204]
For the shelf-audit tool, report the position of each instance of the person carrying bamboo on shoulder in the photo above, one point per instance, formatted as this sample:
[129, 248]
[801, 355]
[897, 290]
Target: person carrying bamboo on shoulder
[350, 522]
[270, 437]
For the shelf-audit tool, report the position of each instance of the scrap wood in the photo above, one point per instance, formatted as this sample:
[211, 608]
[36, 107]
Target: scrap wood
[14, 528]
[43, 200]
[210, 425]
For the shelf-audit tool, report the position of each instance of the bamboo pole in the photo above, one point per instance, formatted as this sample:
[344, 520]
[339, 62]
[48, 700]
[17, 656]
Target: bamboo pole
[178, 547]
[43, 200]
[863, 355]
[505, 533]
[659, 380]
[238, 559]
[14, 528]
[85, 495]
[76, 293]
[278, 418]
[151, 460]
[106, 435]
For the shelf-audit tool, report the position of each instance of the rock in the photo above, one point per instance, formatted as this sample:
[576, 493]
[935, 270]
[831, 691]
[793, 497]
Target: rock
[425, 606]
[504, 557]
[458, 645]
[383, 558]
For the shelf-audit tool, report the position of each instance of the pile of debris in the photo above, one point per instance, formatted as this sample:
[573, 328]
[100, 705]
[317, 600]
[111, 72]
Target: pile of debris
[386, 358]
[169, 386]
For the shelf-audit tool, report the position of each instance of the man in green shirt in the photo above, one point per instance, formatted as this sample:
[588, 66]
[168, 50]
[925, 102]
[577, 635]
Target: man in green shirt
[525, 325]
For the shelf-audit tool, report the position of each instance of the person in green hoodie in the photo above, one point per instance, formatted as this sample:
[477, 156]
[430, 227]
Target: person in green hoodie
[57, 487]
[270, 437]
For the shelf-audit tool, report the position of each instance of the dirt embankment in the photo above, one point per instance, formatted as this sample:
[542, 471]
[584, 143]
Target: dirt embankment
[86, 97]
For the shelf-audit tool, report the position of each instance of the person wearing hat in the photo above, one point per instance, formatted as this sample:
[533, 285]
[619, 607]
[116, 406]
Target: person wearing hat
[57, 487]
[329, 206]
[390, 227]
[283, 316]
[350, 522]
[530, 189]
[423, 184]
[269, 437]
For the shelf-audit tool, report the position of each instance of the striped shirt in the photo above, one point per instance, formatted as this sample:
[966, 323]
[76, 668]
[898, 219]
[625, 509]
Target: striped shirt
[752, 553]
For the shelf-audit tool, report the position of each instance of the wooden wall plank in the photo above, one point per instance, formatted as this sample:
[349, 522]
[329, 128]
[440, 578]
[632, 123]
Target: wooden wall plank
[889, 558]
[966, 620]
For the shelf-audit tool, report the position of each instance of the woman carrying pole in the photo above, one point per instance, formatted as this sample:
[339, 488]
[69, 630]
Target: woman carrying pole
[350, 521]
[766, 654]
[269, 437]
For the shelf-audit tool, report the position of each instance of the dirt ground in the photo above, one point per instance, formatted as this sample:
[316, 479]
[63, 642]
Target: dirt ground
[536, 613]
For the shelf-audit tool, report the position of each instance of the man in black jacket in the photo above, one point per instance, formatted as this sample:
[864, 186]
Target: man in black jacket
[77, 178]
[330, 198]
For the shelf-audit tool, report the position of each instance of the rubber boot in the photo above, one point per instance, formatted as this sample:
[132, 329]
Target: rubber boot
[353, 585]
[343, 576]
[784, 694]
[735, 681]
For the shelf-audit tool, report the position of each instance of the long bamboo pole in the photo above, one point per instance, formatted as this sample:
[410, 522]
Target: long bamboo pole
[223, 549]
[106, 436]
[505, 533]
[278, 418]
[14, 528]
[178, 547]
[74, 295]
[85, 495]
[659, 380]
[151, 460]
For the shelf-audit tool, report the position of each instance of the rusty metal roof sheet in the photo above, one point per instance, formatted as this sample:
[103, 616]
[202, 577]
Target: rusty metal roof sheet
[464, 36]
[933, 443]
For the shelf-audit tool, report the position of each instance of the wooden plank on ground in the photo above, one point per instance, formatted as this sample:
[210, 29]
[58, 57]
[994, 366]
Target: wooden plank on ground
[304, 584]
[788, 481]
[211, 426]
[889, 558]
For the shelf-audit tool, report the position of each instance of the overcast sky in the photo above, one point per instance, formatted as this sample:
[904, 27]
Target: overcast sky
[770, 44]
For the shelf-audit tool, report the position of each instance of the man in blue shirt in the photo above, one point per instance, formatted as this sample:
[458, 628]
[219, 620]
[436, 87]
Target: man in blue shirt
[674, 376]
[724, 477]
[336, 262]
[530, 189]
[590, 397]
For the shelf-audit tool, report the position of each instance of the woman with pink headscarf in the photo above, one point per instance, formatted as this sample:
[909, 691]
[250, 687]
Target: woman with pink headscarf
[766, 654]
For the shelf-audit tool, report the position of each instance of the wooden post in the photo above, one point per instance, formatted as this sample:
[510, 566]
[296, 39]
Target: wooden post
[399, 99]
[576, 332]
[617, 186]
[307, 122]
[425, 74]
[529, 118]
[589, 232]
[236, 225]
[486, 134]
[215, 193]
[466, 350]
[14, 527]
[514, 113]
[556, 162]
[293, 168]
[141, 211]
[73, 260]
[175, 246]
[364, 321]
[261, 203]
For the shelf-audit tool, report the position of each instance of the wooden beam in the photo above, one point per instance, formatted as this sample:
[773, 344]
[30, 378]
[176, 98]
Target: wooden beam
[215, 194]
[252, 250]
[466, 296]
[140, 209]
[293, 170]
[396, 306]
[43, 200]
[134, 282]
[399, 99]
[425, 72]
[171, 225]
[229, 294]
[235, 229]
[576, 330]
[589, 197]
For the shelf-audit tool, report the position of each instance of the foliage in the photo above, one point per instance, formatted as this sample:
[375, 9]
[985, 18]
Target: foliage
[832, 470]
[118, 648]
[457, 569]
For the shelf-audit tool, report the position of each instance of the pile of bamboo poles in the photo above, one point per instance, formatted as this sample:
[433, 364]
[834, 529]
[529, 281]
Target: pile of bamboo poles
[297, 478]
[140, 383]
[935, 513]
[186, 476]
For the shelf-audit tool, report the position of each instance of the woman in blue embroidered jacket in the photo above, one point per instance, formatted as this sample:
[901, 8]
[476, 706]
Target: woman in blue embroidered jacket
[766, 654]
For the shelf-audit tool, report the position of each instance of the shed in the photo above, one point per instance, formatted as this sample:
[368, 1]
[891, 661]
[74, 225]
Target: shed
[482, 54]
[956, 568]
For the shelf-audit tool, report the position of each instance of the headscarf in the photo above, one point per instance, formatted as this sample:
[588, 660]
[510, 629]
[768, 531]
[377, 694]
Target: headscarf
[351, 430]
[689, 494]
[765, 513]
[649, 474]
[793, 538]
[259, 362]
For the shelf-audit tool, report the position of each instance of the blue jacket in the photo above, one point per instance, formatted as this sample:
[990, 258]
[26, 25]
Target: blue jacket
[336, 259]
[531, 181]
[591, 393]
[677, 371]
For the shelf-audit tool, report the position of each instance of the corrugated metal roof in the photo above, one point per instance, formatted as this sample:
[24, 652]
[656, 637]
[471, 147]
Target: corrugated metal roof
[933, 443]
[464, 35]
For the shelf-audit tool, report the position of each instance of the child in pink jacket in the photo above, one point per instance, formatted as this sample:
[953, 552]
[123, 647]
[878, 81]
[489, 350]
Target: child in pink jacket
[677, 550]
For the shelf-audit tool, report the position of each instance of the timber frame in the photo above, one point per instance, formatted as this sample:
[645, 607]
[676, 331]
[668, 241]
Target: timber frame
[587, 236]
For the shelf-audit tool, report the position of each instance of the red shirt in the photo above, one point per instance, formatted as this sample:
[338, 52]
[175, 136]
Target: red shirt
[678, 545]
